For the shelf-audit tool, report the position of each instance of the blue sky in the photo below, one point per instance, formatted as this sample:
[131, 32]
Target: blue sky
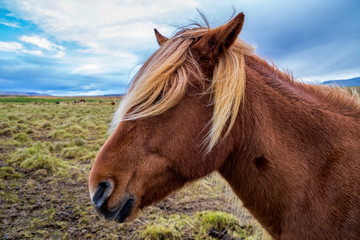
[91, 47]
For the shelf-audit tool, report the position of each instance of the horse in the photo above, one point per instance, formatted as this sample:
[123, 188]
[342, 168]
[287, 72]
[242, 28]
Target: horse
[205, 102]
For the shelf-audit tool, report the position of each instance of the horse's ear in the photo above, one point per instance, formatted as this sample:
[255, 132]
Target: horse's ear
[224, 36]
[229, 32]
[160, 38]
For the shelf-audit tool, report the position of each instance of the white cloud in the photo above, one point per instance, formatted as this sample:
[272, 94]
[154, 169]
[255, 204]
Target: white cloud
[114, 32]
[89, 69]
[34, 52]
[83, 93]
[92, 22]
[103, 64]
[10, 24]
[18, 47]
[93, 93]
[10, 46]
[60, 54]
[41, 42]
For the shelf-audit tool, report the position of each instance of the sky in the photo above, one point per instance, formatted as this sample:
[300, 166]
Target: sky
[92, 47]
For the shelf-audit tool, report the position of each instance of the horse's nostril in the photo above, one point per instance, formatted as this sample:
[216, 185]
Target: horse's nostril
[102, 193]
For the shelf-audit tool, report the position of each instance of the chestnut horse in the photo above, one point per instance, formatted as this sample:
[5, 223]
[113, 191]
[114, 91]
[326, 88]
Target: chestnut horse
[203, 102]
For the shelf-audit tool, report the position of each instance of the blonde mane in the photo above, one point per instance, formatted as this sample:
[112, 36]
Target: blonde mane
[163, 80]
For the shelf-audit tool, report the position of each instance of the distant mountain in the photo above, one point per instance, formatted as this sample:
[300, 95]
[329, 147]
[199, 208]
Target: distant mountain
[352, 82]
[24, 93]
[112, 95]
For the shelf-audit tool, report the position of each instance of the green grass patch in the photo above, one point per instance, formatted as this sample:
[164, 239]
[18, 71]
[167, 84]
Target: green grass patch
[38, 157]
[25, 99]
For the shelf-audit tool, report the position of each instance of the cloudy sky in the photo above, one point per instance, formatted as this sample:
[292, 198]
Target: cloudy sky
[91, 47]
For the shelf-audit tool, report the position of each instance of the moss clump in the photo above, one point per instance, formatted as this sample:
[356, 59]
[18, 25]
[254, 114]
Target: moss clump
[221, 221]
[159, 232]
[218, 220]
[37, 157]
[9, 173]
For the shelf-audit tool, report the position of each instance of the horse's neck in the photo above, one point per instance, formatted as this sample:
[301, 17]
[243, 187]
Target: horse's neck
[283, 142]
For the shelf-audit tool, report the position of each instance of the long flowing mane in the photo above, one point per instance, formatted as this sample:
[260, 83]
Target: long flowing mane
[164, 79]
[332, 98]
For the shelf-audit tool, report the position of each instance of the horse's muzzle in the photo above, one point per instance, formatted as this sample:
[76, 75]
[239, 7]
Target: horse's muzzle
[100, 198]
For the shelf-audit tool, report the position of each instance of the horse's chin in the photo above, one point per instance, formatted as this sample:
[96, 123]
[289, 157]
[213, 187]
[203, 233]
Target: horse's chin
[133, 215]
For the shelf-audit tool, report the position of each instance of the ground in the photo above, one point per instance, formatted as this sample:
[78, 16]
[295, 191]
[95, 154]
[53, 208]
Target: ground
[46, 150]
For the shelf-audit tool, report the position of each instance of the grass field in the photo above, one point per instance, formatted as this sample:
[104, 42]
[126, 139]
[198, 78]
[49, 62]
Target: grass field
[46, 150]
[51, 99]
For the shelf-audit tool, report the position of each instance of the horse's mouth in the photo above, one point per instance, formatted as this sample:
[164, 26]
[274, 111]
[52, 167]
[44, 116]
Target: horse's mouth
[121, 213]
[125, 210]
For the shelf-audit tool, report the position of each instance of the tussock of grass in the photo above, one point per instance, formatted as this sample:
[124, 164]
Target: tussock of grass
[38, 157]
[13, 117]
[21, 121]
[7, 132]
[9, 173]
[29, 131]
[4, 125]
[46, 125]
[218, 220]
[22, 137]
[78, 141]
[76, 129]
[9, 143]
[90, 157]
[71, 152]
[58, 146]
[9, 196]
[60, 134]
